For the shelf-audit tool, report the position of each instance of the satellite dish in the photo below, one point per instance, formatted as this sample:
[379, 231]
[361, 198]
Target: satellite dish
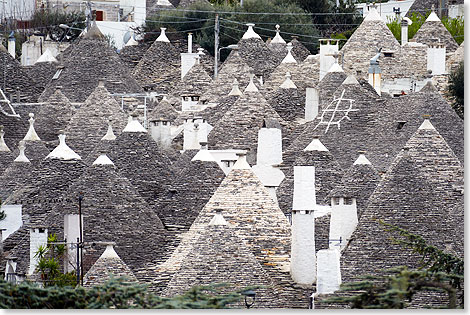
[126, 37]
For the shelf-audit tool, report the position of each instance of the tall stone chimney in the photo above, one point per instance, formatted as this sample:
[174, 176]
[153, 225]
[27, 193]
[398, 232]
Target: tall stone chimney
[312, 101]
[37, 238]
[404, 32]
[71, 233]
[327, 52]
[12, 44]
[303, 260]
[343, 221]
[436, 58]
[190, 43]
[328, 271]
[375, 74]
[195, 131]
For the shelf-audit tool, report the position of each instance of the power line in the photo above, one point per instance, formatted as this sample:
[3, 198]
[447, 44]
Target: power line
[262, 28]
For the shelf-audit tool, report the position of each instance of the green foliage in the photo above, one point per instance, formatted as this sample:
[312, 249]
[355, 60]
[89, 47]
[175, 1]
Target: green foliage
[49, 268]
[396, 287]
[115, 293]
[456, 89]
[47, 23]
[454, 26]
[232, 26]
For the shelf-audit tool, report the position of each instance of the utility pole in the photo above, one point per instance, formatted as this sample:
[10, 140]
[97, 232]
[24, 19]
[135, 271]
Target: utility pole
[88, 13]
[216, 45]
[80, 245]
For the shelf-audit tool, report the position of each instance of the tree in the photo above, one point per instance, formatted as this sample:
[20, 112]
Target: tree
[396, 287]
[456, 89]
[47, 23]
[49, 267]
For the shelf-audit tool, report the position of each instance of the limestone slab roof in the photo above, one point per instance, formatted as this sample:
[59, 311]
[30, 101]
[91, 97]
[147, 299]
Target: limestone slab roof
[328, 85]
[108, 265]
[359, 182]
[434, 32]
[13, 177]
[138, 157]
[90, 122]
[238, 128]
[371, 35]
[234, 67]
[16, 79]
[454, 60]
[220, 256]
[42, 72]
[131, 55]
[164, 110]
[328, 174]
[53, 116]
[347, 124]
[258, 56]
[189, 193]
[36, 151]
[159, 67]
[88, 61]
[45, 187]
[299, 51]
[288, 103]
[417, 195]
[114, 211]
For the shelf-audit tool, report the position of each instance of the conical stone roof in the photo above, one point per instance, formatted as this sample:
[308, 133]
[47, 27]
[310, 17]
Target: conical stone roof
[53, 116]
[258, 56]
[220, 256]
[131, 55]
[109, 201]
[328, 85]
[433, 32]
[159, 68]
[371, 35]
[289, 103]
[42, 72]
[90, 122]
[328, 174]
[14, 176]
[299, 51]
[164, 110]
[359, 182]
[416, 194]
[88, 61]
[108, 265]
[6, 156]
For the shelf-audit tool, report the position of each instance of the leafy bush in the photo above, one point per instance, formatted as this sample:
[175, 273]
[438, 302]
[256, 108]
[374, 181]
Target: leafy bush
[456, 89]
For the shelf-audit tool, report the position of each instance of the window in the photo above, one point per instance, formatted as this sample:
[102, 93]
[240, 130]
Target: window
[388, 54]
[195, 98]
[99, 15]
[348, 201]
[335, 201]
[400, 124]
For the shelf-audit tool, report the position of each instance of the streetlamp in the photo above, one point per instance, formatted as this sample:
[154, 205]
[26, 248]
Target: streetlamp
[216, 61]
[250, 297]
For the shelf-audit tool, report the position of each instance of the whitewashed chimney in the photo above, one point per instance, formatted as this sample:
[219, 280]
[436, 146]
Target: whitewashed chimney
[312, 101]
[3, 145]
[71, 233]
[37, 238]
[189, 102]
[190, 43]
[195, 131]
[343, 221]
[303, 262]
[12, 45]
[328, 271]
[31, 135]
[327, 52]
[436, 58]
[375, 74]
[404, 31]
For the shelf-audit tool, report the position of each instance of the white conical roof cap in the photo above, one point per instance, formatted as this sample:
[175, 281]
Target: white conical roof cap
[433, 17]
[373, 15]
[3, 145]
[241, 163]
[361, 159]
[288, 83]
[31, 135]
[315, 145]
[22, 157]
[47, 56]
[109, 252]
[162, 37]
[109, 133]
[133, 125]
[63, 151]
[335, 68]
[278, 39]
[289, 58]
[251, 87]
[103, 159]
[132, 42]
[426, 125]
[350, 80]
[218, 219]
[235, 90]
[164, 3]
[250, 33]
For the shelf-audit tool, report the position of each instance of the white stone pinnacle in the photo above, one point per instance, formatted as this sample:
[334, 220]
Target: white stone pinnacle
[162, 37]
[361, 159]
[315, 145]
[350, 80]
[22, 157]
[3, 145]
[289, 58]
[218, 219]
[132, 42]
[241, 163]
[288, 83]
[251, 87]
[103, 159]
[278, 39]
[63, 151]
[109, 252]
[250, 33]
[31, 135]
[47, 56]
[235, 90]
[109, 133]
[335, 68]
[426, 125]
[373, 15]
[433, 17]
[133, 125]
